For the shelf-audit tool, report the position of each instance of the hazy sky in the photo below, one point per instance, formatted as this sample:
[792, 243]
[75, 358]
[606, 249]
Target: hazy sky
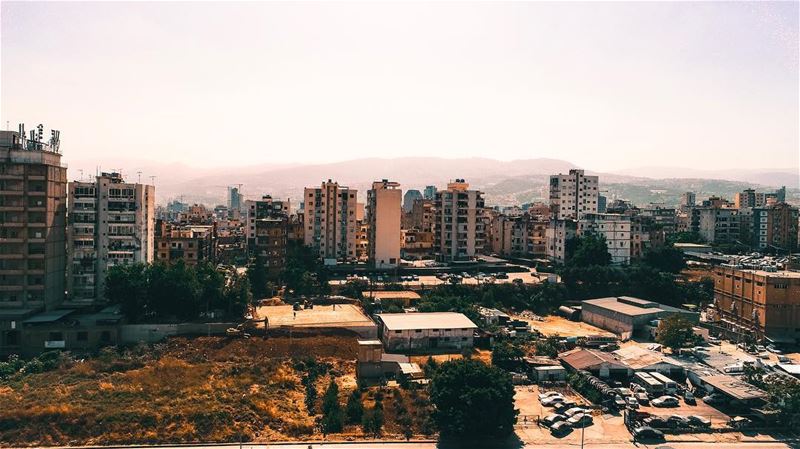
[604, 85]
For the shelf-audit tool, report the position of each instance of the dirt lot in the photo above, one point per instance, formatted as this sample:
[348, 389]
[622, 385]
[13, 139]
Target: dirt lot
[185, 390]
[556, 325]
[433, 280]
[324, 316]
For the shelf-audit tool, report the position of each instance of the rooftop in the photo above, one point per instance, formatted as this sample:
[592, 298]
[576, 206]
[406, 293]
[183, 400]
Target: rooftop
[735, 388]
[638, 357]
[581, 359]
[434, 320]
[628, 305]
[405, 294]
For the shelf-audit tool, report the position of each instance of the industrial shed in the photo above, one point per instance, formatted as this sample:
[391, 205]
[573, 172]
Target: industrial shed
[426, 332]
[601, 364]
[626, 315]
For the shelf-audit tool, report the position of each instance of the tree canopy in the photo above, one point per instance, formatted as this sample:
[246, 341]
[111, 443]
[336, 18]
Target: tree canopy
[473, 400]
[667, 259]
[588, 250]
[676, 332]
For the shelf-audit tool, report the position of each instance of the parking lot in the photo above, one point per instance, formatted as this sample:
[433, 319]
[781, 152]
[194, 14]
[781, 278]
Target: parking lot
[562, 327]
[427, 281]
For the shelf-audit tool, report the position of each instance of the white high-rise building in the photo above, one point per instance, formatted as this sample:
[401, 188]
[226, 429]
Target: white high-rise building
[111, 222]
[459, 230]
[573, 195]
[383, 233]
[330, 221]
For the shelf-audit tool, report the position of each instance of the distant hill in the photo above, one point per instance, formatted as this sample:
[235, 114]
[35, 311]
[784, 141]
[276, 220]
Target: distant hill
[505, 182]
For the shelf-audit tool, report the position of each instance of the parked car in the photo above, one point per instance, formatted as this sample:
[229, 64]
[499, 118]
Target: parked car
[774, 350]
[739, 422]
[574, 411]
[656, 421]
[784, 359]
[518, 281]
[714, 340]
[632, 402]
[714, 398]
[619, 401]
[665, 401]
[549, 420]
[547, 394]
[678, 421]
[560, 428]
[501, 276]
[552, 400]
[699, 421]
[689, 398]
[647, 433]
[642, 397]
[580, 420]
[563, 406]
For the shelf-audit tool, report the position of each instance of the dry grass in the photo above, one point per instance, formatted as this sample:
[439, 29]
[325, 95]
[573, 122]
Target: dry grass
[204, 389]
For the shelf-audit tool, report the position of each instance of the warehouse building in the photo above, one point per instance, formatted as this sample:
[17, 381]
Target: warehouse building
[424, 332]
[626, 316]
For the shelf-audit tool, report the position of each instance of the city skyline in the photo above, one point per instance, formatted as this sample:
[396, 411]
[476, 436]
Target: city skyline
[608, 87]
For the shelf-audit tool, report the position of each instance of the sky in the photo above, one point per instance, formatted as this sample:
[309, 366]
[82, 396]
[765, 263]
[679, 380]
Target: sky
[606, 86]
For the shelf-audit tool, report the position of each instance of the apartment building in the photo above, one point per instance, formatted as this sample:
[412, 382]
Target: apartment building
[421, 216]
[429, 193]
[518, 236]
[383, 214]
[775, 227]
[662, 217]
[409, 198]
[615, 228]
[573, 195]
[716, 224]
[558, 233]
[753, 302]
[111, 222]
[646, 233]
[187, 242]
[459, 230]
[33, 204]
[416, 245]
[267, 230]
[330, 221]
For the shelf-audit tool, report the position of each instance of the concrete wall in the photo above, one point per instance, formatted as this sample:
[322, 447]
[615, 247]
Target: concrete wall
[133, 333]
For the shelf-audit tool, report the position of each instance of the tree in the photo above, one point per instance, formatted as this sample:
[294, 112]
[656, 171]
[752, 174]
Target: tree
[257, 273]
[506, 354]
[590, 250]
[237, 295]
[126, 285]
[676, 332]
[547, 347]
[372, 421]
[332, 416]
[473, 400]
[355, 408]
[667, 259]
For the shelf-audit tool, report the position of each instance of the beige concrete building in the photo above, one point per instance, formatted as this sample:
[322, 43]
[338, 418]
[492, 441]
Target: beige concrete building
[111, 222]
[190, 243]
[423, 332]
[383, 214]
[33, 204]
[459, 231]
[615, 228]
[557, 235]
[330, 221]
[573, 195]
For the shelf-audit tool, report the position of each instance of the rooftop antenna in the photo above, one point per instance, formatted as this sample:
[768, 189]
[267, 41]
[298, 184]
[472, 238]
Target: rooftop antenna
[139, 177]
[153, 180]
[81, 172]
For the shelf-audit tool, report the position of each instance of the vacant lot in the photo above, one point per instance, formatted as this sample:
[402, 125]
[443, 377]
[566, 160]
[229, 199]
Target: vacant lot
[323, 316]
[183, 390]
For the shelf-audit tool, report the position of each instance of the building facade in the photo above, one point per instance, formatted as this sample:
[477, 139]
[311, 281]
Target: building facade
[459, 230]
[758, 303]
[330, 221]
[573, 195]
[111, 222]
[383, 214]
[775, 227]
[33, 205]
[190, 243]
[615, 228]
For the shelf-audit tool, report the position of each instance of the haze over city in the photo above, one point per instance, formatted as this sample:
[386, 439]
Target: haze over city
[606, 86]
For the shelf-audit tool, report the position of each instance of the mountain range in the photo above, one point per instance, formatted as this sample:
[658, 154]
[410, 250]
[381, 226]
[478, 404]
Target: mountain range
[504, 182]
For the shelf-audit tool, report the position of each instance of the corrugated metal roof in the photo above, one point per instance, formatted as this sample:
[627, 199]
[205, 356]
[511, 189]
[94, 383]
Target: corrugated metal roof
[584, 359]
[48, 317]
[735, 388]
[433, 320]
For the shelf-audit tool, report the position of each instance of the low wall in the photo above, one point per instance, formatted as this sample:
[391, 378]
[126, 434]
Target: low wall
[150, 333]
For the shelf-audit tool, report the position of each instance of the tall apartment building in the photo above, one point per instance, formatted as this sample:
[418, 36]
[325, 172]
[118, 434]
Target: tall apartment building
[521, 236]
[775, 227]
[459, 231]
[33, 205]
[383, 214]
[758, 303]
[267, 231]
[615, 228]
[111, 222]
[662, 217]
[573, 195]
[429, 193]
[688, 200]
[409, 198]
[330, 221]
